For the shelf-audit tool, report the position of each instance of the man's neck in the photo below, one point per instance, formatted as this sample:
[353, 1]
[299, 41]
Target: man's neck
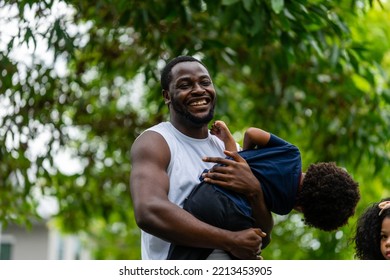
[191, 130]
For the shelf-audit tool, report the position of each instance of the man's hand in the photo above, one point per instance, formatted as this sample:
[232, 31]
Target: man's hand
[235, 174]
[248, 244]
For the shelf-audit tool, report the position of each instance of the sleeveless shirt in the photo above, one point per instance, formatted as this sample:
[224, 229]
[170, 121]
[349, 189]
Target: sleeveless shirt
[184, 169]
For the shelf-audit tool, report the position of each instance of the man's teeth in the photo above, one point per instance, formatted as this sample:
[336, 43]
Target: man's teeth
[197, 103]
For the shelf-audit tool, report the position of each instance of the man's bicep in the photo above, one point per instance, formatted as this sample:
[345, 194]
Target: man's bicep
[149, 158]
[148, 181]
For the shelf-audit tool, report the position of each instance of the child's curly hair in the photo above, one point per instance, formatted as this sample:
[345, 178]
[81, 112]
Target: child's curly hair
[328, 197]
[367, 237]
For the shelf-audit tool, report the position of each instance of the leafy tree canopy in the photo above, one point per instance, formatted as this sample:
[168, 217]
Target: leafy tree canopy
[315, 72]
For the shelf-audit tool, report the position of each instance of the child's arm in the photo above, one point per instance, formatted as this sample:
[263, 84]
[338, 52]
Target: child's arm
[255, 137]
[220, 129]
[263, 218]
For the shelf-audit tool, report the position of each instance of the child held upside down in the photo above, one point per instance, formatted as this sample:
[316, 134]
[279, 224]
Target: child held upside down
[326, 194]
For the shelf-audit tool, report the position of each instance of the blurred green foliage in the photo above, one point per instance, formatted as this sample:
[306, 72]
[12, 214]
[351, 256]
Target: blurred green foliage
[313, 72]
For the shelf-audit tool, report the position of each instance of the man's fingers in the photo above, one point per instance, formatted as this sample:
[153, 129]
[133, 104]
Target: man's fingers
[224, 161]
[234, 155]
[260, 232]
[218, 160]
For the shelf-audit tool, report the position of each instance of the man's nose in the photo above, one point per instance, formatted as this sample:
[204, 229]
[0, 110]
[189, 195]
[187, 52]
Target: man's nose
[198, 88]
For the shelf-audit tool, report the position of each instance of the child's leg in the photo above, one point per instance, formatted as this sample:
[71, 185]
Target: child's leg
[213, 207]
[220, 129]
[177, 252]
[195, 203]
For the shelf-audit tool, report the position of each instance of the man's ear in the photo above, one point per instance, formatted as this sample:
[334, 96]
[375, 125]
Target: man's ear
[167, 98]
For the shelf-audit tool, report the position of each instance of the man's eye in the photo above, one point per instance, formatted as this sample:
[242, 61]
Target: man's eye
[206, 83]
[184, 86]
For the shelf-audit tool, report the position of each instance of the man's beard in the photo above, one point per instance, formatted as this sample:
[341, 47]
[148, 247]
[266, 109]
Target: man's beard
[194, 120]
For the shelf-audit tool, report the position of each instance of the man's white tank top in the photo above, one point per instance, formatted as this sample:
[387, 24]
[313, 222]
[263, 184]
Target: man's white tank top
[184, 169]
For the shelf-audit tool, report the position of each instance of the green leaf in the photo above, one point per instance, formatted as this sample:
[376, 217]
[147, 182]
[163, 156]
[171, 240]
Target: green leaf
[229, 2]
[247, 5]
[361, 83]
[277, 5]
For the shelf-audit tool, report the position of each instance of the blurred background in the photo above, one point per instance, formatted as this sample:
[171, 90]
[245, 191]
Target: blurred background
[80, 81]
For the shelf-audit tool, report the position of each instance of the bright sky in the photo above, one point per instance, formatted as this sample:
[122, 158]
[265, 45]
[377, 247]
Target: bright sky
[24, 54]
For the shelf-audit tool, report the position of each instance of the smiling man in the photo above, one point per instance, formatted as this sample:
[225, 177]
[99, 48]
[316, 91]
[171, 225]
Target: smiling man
[167, 161]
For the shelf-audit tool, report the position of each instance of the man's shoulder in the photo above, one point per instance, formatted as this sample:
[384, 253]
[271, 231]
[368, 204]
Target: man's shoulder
[161, 125]
[150, 144]
[158, 129]
[161, 128]
[151, 137]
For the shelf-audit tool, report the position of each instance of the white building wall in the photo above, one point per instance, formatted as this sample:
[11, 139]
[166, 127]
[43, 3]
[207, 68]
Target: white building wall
[42, 242]
[28, 244]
